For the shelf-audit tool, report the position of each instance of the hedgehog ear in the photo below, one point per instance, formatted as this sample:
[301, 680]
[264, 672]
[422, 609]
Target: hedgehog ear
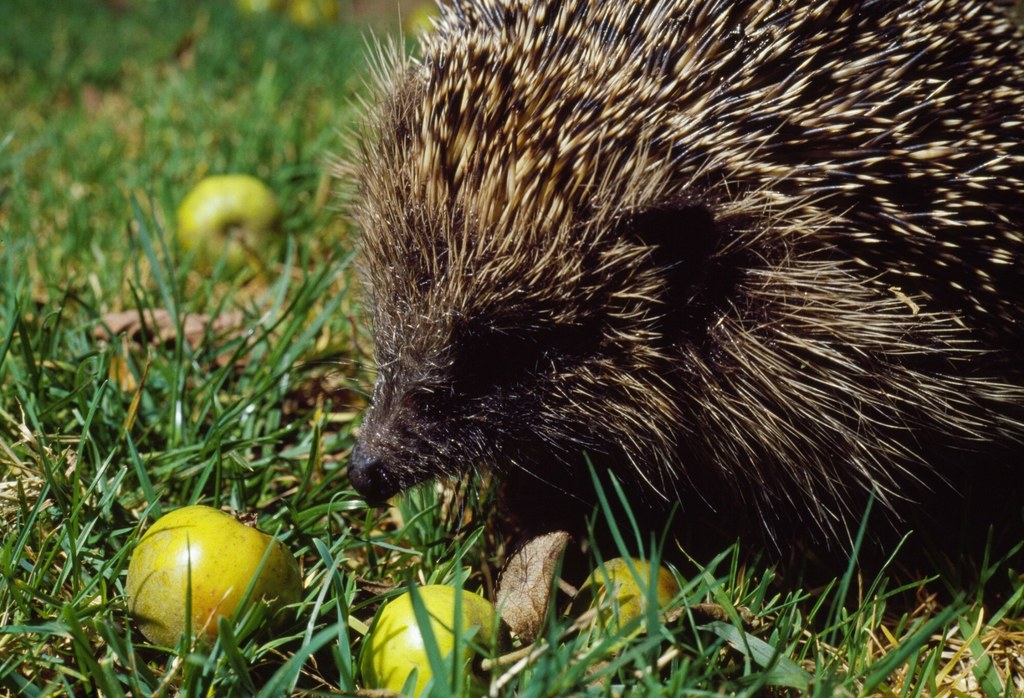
[685, 246]
[681, 243]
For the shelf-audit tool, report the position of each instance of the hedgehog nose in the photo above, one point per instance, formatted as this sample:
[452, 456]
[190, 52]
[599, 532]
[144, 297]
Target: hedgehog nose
[369, 475]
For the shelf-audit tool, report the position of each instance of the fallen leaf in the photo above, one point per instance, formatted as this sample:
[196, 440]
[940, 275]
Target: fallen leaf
[158, 326]
[524, 590]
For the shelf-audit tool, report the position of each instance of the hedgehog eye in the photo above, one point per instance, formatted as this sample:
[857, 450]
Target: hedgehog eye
[490, 360]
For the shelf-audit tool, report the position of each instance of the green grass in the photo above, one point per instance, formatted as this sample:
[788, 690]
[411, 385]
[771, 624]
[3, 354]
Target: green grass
[106, 121]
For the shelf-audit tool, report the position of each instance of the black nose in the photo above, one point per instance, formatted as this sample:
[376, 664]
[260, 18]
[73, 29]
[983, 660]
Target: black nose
[369, 475]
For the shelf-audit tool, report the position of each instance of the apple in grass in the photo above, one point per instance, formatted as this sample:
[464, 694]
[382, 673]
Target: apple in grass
[396, 644]
[621, 588]
[420, 18]
[234, 215]
[201, 559]
[312, 13]
[259, 6]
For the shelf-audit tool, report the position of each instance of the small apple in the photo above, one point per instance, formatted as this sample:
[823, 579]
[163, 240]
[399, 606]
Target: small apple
[311, 13]
[420, 20]
[396, 644]
[221, 557]
[233, 215]
[630, 590]
[254, 7]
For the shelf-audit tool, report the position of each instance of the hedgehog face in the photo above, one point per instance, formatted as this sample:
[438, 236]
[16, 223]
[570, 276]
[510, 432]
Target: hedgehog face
[513, 356]
[469, 357]
[520, 305]
[466, 390]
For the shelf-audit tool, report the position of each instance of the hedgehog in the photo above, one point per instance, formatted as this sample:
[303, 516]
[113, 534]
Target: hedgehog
[755, 256]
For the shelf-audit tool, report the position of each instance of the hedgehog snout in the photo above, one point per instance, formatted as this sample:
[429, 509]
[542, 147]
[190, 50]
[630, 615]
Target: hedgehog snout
[370, 475]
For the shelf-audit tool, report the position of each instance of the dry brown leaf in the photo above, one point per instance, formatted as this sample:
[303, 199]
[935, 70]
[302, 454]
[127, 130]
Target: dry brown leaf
[524, 590]
[375, 588]
[158, 326]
